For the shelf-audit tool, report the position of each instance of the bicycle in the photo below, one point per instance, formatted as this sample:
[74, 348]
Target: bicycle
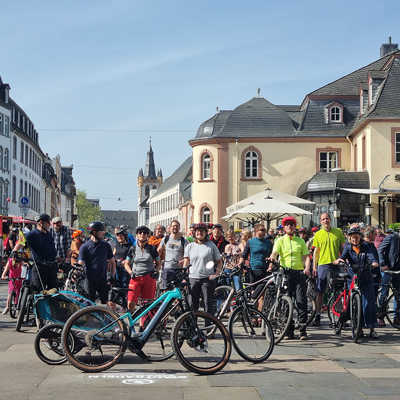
[25, 301]
[105, 336]
[14, 298]
[76, 279]
[347, 305]
[390, 309]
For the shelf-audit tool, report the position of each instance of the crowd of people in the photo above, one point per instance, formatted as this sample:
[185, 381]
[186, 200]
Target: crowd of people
[142, 261]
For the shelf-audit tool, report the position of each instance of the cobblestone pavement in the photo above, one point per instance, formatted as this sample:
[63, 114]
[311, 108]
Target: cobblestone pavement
[324, 367]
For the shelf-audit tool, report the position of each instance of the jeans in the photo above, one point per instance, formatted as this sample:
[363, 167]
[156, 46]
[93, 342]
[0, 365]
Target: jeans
[48, 276]
[203, 287]
[297, 289]
[386, 279]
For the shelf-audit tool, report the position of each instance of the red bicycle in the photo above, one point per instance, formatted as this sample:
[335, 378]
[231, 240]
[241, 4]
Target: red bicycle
[345, 302]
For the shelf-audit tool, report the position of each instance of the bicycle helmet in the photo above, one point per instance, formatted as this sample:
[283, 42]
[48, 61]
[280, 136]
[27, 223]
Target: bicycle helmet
[202, 227]
[122, 231]
[76, 233]
[96, 226]
[354, 231]
[43, 218]
[142, 229]
[289, 220]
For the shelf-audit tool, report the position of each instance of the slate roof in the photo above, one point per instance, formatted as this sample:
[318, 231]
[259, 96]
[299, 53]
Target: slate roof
[182, 175]
[349, 84]
[329, 181]
[260, 118]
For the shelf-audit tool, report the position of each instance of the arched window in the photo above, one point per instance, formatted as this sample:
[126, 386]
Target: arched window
[5, 194]
[335, 114]
[206, 166]
[1, 157]
[6, 160]
[251, 164]
[205, 215]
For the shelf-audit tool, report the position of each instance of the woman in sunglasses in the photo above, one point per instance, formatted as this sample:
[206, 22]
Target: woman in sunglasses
[143, 265]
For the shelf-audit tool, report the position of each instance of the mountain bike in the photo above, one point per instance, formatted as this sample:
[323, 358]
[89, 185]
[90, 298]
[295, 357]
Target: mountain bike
[347, 304]
[390, 308]
[25, 301]
[281, 312]
[104, 335]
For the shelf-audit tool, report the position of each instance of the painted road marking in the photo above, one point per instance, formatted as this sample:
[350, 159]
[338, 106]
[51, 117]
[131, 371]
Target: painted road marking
[138, 379]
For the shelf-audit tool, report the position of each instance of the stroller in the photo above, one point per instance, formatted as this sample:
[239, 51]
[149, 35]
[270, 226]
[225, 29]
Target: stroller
[53, 310]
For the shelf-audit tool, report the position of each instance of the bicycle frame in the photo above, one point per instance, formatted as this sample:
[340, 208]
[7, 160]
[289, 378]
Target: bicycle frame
[165, 299]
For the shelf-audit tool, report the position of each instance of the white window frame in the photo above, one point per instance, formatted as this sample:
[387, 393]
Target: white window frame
[253, 158]
[206, 167]
[205, 215]
[328, 161]
[335, 114]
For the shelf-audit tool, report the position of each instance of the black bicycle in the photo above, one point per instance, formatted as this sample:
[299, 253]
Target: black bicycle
[390, 308]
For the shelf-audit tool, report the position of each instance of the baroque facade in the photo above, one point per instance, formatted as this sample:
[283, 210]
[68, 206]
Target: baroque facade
[335, 148]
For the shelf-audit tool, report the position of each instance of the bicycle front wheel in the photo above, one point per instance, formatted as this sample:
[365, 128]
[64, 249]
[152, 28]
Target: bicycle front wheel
[356, 312]
[100, 339]
[13, 305]
[195, 348]
[23, 308]
[251, 333]
[392, 310]
[280, 316]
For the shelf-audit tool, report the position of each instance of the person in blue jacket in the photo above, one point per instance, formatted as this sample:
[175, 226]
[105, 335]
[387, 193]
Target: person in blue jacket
[358, 253]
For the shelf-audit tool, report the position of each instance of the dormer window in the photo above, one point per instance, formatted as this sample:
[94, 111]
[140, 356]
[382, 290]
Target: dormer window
[334, 113]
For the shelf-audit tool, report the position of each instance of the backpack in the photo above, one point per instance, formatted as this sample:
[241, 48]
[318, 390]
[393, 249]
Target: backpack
[167, 238]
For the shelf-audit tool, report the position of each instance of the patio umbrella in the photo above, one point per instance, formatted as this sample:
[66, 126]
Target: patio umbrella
[264, 209]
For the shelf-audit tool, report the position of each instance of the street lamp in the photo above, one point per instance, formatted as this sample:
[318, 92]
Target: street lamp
[267, 193]
[368, 213]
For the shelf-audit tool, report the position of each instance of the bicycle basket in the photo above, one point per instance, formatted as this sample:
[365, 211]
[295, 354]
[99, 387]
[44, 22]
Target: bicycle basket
[59, 307]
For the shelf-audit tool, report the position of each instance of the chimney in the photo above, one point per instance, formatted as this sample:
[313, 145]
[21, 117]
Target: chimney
[387, 48]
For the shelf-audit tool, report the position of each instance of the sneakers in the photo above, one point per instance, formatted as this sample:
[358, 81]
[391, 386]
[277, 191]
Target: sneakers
[5, 311]
[373, 334]
[303, 336]
[317, 320]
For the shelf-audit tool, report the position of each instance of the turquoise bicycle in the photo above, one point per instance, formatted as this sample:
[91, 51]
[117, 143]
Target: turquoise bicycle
[102, 336]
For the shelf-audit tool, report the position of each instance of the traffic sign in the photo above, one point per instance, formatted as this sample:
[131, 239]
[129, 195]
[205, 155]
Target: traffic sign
[24, 201]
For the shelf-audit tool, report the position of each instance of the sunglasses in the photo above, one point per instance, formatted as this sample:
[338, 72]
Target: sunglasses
[142, 233]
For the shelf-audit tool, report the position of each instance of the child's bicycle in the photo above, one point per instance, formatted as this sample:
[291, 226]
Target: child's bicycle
[14, 298]
[103, 336]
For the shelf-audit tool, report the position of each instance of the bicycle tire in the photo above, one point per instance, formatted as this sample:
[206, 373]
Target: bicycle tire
[269, 297]
[88, 337]
[280, 322]
[186, 320]
[313, 312]
[333, 319]
[22, 311]
[13, 305]
[389, 314]
[221, 293]
[265, 326]
[52, 334]
[355, 316]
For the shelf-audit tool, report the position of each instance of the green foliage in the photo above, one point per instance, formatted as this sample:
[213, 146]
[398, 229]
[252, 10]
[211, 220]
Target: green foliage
[87, 212]
[395, 226]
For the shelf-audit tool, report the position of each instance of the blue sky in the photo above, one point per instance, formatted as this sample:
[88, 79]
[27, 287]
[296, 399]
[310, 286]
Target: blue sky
[88, 74]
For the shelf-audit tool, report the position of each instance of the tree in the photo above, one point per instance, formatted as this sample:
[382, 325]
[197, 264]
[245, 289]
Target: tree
[87, 212]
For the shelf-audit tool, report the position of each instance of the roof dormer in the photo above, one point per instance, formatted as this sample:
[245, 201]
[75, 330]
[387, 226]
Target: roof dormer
[375, 80]
[334, 113]
[363, 97]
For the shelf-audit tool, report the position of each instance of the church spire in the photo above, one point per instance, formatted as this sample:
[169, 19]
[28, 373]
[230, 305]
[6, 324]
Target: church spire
[150, 170]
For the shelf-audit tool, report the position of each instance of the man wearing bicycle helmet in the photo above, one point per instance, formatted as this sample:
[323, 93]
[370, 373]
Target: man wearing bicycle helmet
[360, 257]
[97, 256]
[44, 253]
[202, 280]
[294, 257]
